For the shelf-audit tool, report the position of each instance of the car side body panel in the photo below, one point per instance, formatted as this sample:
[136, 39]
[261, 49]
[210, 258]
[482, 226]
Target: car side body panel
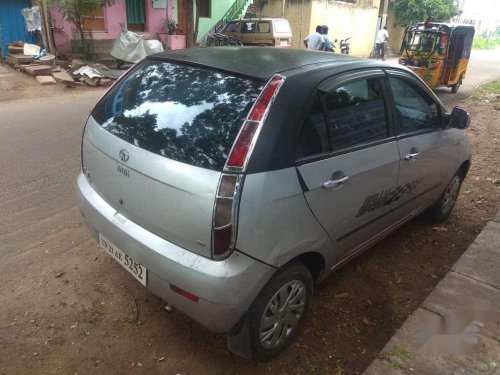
[275, 223]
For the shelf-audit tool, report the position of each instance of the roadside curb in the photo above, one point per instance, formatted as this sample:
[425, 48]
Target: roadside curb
[456, 330]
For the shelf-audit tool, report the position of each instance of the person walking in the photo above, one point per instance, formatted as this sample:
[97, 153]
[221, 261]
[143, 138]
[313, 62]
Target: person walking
[380, 40]
[315, 41]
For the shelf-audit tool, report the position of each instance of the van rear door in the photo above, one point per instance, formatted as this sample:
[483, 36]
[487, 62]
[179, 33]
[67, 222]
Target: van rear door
[155, 145]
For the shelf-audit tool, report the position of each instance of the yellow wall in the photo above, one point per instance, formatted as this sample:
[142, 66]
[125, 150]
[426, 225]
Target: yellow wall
[298, 13]
[396, 33]
[358, 21]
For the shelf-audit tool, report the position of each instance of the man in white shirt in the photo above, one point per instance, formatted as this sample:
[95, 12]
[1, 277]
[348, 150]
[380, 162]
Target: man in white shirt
[315, 41]
[382, 37]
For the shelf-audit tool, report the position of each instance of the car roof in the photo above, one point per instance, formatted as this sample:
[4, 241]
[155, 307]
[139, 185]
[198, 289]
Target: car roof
[263, 62]
[453, 26]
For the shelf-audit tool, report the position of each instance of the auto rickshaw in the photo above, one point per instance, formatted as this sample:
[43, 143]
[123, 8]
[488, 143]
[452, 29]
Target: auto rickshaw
[438, 52]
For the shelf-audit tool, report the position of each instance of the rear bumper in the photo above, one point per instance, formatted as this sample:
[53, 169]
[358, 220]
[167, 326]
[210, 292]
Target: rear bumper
[225, 289]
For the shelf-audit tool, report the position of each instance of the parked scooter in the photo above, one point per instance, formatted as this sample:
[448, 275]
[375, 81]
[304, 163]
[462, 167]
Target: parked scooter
[344, 46]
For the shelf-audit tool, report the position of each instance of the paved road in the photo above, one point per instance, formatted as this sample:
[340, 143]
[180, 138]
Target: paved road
[484, 66]
[42, 238]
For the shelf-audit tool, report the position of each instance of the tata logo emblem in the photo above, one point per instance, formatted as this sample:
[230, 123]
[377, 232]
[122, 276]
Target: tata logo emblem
[124, 156]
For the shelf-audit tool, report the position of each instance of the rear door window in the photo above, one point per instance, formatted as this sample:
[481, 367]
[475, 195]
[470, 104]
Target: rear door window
[181, 112]
[356, 114]
[313, 138]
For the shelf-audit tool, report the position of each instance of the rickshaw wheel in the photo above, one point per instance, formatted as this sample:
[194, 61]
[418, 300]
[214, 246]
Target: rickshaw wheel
[456, 86]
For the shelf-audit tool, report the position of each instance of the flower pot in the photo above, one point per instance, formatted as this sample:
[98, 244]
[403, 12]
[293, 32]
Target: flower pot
[175, 41]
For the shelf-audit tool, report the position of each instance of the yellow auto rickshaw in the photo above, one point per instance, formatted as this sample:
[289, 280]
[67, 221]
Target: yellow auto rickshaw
[438, 52]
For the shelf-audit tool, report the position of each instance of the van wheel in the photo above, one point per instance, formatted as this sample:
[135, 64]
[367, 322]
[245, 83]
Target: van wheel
[277, 314]
[443, 207]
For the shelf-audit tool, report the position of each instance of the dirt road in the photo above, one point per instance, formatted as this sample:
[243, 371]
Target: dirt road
[66, 307]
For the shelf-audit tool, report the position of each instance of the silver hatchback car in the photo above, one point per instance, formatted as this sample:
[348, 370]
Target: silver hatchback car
[229, 180]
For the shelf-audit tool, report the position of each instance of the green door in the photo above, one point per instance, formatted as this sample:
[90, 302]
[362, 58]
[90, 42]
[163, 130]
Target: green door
[135, 15]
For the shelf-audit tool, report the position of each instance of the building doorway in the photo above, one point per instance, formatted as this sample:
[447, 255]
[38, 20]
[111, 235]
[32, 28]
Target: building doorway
[135, 15]
[181, 16]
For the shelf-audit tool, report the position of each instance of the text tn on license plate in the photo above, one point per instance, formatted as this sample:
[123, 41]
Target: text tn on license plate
[137, 270]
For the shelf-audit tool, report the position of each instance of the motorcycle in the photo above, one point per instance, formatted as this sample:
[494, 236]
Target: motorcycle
[344, 46]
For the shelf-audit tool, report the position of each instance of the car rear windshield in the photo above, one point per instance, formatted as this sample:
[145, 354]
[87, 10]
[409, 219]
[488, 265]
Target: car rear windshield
[181, 112]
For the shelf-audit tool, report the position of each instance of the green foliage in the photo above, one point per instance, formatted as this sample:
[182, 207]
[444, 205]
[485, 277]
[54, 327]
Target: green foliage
[481, 42]
[487, 91]
[409, 12]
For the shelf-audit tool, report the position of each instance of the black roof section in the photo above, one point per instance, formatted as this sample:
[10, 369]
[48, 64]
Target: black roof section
[261, 62]
[460, 27]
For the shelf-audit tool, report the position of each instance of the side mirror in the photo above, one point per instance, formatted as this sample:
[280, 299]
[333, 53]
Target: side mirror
[459, 118]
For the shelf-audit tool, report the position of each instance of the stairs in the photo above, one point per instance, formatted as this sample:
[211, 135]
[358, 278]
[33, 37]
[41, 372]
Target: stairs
[236, 11]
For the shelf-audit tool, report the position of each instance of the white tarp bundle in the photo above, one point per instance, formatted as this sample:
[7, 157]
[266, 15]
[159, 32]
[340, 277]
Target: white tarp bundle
[32, 18]
[131, 47]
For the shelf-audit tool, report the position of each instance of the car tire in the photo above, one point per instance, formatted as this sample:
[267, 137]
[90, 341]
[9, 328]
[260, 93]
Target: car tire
[440, 211]
[274, 323]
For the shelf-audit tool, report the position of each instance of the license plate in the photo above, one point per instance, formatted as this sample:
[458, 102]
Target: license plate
[284, 43]
[138, 271]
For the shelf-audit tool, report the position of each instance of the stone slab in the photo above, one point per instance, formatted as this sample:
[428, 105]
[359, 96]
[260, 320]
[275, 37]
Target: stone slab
[19, 59]
[456, 330]
[63, 77]
[463, 300]
[481, 261]
[15, 50]
[423, 346]
[38, 70]
[45, 80]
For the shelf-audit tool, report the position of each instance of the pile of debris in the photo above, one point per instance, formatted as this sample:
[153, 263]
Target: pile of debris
[49, 70]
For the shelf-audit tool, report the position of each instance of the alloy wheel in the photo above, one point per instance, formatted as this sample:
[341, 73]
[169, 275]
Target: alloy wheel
[282, 314]
[450, 195]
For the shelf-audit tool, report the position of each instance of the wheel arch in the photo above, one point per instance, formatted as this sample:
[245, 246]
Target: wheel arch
[464, 168]
[314, 262]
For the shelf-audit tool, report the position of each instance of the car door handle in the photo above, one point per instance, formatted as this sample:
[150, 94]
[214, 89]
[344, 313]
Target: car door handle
[411, 156]
[331, 184]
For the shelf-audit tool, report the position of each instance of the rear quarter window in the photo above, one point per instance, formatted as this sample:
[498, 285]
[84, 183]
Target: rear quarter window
[281, 26]
[181, 112]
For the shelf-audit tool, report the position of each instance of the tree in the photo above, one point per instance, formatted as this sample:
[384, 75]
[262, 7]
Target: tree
[409, 12]
[191, 9]
[76, 11]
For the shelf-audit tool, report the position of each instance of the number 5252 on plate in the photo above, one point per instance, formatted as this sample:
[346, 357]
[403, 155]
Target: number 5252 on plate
[135, 268]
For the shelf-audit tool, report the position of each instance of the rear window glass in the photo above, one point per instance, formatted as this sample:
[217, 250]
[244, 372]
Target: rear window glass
[281, 26]
[184, 113]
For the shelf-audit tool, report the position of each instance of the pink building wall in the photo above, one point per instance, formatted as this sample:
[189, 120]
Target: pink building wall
[113, 16]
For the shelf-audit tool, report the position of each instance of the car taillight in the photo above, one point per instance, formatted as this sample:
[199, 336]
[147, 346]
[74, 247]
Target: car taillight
[242, 147]
[228, 193]
[224, 217]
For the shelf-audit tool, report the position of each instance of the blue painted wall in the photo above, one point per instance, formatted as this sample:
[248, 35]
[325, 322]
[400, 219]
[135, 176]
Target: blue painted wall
[12, 23]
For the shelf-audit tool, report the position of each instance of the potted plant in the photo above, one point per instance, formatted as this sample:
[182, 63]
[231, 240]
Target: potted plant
[174, 38]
